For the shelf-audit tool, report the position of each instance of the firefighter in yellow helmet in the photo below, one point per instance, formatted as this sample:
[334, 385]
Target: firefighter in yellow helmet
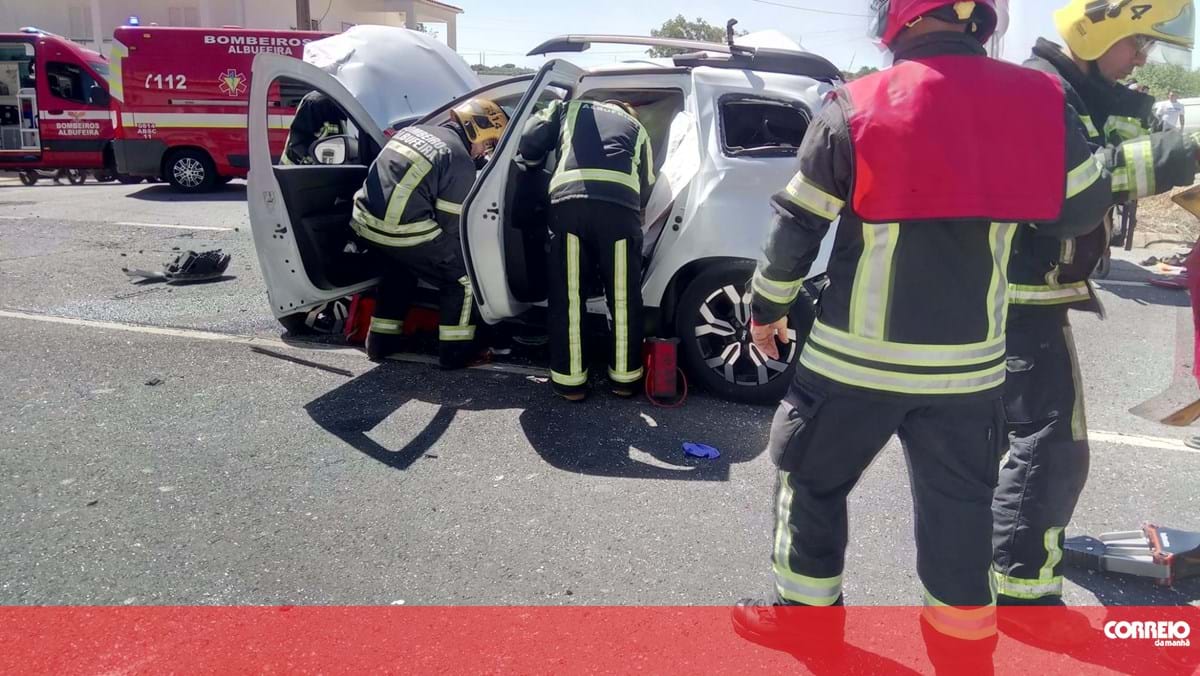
[1047, 465]
[408, 211]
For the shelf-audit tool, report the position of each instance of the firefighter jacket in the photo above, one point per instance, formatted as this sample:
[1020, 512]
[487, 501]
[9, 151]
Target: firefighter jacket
[603, 153]
[929, 204]
[415, 188]
[317, 117]
[1050, 272]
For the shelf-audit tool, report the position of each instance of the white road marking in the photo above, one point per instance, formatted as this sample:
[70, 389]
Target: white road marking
[1140, 441]
[249, 340]
[175, 227]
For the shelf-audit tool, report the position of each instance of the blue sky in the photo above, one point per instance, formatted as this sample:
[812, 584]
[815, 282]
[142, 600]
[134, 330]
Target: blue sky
[506, 31]
[503, 32]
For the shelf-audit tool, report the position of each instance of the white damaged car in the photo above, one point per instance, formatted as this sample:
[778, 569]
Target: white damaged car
[725, 122]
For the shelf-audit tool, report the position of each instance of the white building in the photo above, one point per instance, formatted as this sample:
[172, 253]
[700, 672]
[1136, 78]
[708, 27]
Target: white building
[91, 22]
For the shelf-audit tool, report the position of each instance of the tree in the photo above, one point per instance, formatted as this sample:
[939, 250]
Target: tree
[865, 70]
[506, 70]
[682, 29]
[1163, 78]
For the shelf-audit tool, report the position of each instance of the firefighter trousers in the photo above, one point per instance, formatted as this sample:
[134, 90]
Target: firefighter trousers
[1047, 462]
[590, 237]
[438, 262]
[823, 439]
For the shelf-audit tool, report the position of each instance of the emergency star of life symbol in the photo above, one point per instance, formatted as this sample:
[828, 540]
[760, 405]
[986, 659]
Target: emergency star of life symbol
[233, 83]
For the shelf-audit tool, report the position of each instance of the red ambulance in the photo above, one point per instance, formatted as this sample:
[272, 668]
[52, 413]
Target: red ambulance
[182, 96]
[54, 103]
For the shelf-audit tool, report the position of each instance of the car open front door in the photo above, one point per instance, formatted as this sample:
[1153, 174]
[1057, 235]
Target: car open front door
[300, 214]
[484, 226]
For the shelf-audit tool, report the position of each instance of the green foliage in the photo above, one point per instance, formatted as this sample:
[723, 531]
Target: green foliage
[865, 70]
[507, 70]
[682, 29]
[1162, 78]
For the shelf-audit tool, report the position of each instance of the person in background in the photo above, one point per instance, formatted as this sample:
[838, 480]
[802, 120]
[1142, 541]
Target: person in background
[1170, 112]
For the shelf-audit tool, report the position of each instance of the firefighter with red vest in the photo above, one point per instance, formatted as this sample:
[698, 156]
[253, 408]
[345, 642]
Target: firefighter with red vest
[408, 211]
[1047, 464]
[910, 333]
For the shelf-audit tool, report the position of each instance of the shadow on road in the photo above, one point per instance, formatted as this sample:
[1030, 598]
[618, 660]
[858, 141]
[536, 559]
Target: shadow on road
[1123, 273]
[604, 436]
[234, 192]
[1112, 589]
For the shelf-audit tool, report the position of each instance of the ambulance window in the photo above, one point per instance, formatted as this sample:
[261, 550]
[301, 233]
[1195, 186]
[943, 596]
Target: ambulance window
[753, 126]
[291, 92]
[69, 81]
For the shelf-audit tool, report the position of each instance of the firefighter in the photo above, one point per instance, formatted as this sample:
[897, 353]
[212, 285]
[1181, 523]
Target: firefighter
[408, 211]
[599, 189]
[910, 334]
[317, 117]
[1047, 465]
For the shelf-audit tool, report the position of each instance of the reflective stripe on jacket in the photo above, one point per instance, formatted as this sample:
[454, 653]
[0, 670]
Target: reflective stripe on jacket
[604, 153]
[916, 307]
[1048, 271]
[415, 188]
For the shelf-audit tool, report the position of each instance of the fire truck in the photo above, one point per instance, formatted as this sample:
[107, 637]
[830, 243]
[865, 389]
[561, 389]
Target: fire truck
[182, 95]
[54, 104]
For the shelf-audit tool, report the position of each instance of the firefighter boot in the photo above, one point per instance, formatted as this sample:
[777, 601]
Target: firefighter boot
[1043, 623]
[811, 634]
[380, 346]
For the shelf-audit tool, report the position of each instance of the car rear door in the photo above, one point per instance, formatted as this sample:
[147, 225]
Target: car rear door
[484, 227]
[300, 214]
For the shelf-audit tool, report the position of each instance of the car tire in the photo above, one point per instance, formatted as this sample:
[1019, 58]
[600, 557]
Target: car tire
[191, 171]
[76, 177]
[128, 180]
[104, 176]
[722, 359]
[29, 178]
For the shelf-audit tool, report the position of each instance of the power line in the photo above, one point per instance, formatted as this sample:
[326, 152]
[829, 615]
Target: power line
[809, 9]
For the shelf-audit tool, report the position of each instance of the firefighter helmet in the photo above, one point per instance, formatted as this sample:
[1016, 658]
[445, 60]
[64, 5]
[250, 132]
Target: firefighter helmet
[1091, 27]
[890, 17]
[481, 119]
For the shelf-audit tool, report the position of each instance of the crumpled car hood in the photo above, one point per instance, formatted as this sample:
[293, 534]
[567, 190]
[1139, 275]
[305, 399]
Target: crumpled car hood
[396, 74]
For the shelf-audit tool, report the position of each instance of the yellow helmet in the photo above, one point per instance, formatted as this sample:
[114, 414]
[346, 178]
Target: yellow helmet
[1091, 27]
[481, 119]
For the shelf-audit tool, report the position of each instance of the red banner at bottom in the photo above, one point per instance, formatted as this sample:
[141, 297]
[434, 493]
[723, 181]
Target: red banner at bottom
[572, 640]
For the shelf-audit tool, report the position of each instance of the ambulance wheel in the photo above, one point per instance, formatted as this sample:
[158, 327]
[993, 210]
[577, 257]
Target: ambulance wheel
[191, 171]
[76, 177]
[29, 178]
[125, 179]
[712, 321]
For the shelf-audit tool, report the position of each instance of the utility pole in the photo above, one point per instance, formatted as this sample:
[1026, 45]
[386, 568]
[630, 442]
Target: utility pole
[303, 16]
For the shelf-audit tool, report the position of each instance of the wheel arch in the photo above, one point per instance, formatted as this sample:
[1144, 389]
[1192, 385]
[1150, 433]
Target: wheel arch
[683, 277]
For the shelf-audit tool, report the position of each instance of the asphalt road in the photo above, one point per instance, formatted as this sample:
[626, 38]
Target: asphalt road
[142, 462]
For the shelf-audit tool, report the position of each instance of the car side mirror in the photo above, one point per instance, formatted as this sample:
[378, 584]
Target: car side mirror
[332, 150]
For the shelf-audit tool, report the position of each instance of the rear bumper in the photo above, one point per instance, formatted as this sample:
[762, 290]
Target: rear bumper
[139, 157]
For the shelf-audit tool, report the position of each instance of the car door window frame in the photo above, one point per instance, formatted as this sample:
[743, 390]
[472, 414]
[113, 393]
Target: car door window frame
[773, 151]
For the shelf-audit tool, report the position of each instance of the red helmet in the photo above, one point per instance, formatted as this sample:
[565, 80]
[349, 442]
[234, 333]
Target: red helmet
[893, 16]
